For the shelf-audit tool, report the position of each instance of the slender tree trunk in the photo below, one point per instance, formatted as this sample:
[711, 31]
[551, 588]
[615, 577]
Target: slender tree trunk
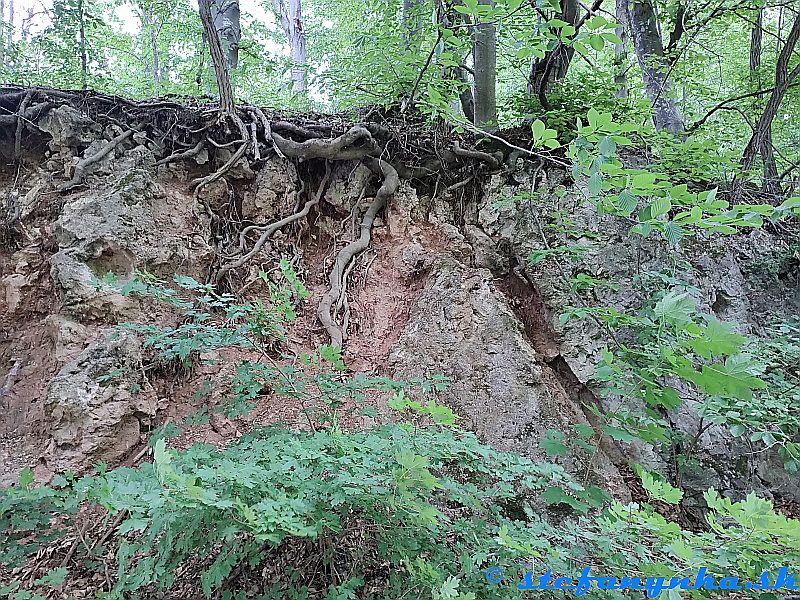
[10, 33]
[412, 23]
[756, 37]
[621, 53]
[153, 31]
[2, 39]
[555, 63]
[217, 58]
[767, 154]
[484, 52]
[466, 100]
[292, 22]
[82, 46]
[761, 140]
[643, 31]
[225, 14]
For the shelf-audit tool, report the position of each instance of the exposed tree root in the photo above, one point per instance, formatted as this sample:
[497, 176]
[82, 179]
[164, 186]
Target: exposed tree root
[191, 153]
[391, 181]
[434, 156]
[201, 182]
[341, 148]
[83, 167]
[270, 229]
[21, 123]
[484, 156]
[296, 130]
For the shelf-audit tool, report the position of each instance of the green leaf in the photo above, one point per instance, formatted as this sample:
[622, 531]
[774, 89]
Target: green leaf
[596, 42]
[660, 489]
[595, 184]
[607, 146]
[618, 433]
[552, 444]
[53, 578]
[675, 308]
[26, 478]
[659, 206]
[672, 232]
[555, 495]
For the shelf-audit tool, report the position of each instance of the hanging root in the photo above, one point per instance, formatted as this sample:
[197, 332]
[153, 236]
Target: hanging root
[490, 159]
[23, 106]
[201, 182]
[391, 181]
[191, 153]
[83, 167]
[270, 229]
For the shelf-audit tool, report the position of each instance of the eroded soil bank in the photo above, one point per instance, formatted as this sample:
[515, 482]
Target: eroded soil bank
[439, 231]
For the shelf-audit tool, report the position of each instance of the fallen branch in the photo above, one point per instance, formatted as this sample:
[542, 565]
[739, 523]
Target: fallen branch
[391, 181]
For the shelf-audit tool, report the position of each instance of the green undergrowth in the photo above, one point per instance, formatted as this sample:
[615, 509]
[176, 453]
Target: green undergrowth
[413, 509]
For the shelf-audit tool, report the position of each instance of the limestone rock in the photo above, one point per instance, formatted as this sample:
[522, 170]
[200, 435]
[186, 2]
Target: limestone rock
[69, 127]
[97, 403]
[461, 326]
[275, 191]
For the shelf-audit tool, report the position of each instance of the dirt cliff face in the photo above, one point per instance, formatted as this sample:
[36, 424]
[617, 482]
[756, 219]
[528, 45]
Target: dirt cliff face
[443, 288]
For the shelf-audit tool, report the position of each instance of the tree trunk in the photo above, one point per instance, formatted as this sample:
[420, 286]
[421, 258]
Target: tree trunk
[82, 46]
[225, 14]
[2, 41]
[292, 22]
[484, 52]
[621, 53]
[767, 154]
[555, 63]
[153, 30]
[466, 100]
[10, 34]
[643, 30]
[217, 58]
[761, 140]
[756, 36]
[412, 23]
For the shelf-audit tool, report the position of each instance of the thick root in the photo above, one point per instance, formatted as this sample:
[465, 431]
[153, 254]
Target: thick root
[343, 147]
[391, 181]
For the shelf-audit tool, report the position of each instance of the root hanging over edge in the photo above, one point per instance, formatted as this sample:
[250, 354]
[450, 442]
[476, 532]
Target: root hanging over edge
[270, 229]
[391, 181]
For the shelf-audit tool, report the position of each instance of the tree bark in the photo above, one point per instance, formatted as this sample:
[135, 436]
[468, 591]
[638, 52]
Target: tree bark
[761, 140]
[621, 53]
[484, 52]
[412, 23]
[643, 31]
[292, 22]
[225, 14]
[2, 41]
[217, 58]
[767, 154]
[82, 46]
[555, 63]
